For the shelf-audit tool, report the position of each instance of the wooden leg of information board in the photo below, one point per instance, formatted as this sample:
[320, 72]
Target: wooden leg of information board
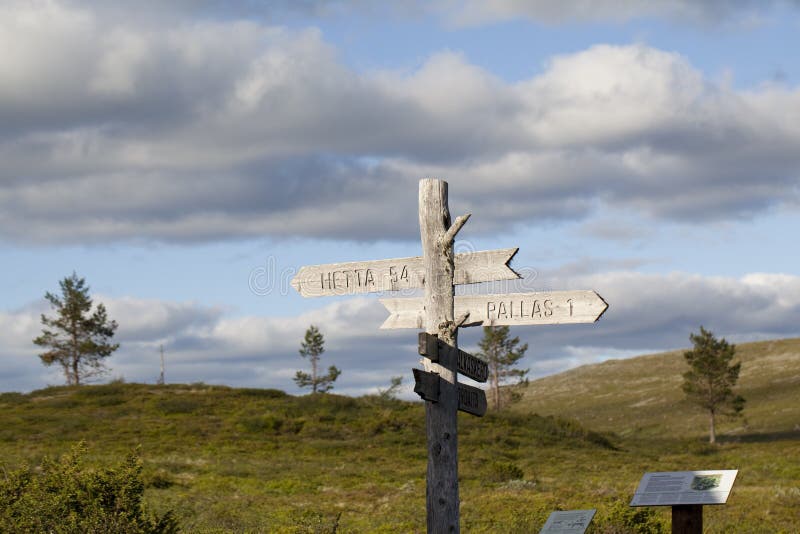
[687, 519]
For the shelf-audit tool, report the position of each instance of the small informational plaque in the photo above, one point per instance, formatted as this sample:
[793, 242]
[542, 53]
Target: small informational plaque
[684, 487]
[568, 522]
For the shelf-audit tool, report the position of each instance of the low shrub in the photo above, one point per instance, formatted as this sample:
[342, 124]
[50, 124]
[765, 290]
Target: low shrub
[13, 398]
[261, 393]
[620, 518]
[500, 471]
[64, 497]
[159, 479]
[178, 405]
[312, 522]
[268, 424]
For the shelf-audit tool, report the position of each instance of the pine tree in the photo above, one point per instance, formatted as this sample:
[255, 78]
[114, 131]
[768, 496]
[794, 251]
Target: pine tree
[77, 339]
[312, 347]
[710, 379]
[394, 388]
[502, 355]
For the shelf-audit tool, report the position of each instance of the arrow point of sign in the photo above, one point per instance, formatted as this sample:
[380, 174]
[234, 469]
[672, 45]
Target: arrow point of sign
[605, 306]
[297, 281]
[511, 253]
[485, 266]
[387, 324]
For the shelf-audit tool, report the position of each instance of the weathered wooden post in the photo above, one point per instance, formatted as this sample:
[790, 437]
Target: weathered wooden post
[441, 421]
[161, 376]
[687, 519]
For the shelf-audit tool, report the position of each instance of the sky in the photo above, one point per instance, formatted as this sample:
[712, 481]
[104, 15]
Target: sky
[187, 158]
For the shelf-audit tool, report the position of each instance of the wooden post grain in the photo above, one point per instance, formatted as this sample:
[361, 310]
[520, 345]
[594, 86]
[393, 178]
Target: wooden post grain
[687, 519]
[437, 233]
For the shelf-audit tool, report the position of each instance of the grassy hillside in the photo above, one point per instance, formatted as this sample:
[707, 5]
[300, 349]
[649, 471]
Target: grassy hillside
[642, 396]
[251, 460]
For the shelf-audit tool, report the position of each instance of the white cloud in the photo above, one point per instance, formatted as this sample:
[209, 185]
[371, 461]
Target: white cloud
[150, 320]
[215, 130]
[652, 310]
[608, 94]
[123, 56]
[31, 33]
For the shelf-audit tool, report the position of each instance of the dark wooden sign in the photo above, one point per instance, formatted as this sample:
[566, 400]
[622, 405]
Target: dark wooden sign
[437, 351]
[470, 399]
[426, 385]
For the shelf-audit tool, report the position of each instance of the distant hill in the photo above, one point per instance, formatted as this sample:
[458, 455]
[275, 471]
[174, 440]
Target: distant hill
[642, 395]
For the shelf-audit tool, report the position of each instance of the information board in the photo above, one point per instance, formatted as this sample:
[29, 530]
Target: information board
[684, 487]
[568, 522]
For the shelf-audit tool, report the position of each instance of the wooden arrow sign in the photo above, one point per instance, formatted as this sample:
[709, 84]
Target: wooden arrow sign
[400, 273]
[470, 399]
[438, 351]
[553, 307]
[426, 385]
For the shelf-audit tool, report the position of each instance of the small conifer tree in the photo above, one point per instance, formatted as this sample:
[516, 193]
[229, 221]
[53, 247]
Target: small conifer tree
[502, 354]
[710, 379]
[77, 337]
[312, 347]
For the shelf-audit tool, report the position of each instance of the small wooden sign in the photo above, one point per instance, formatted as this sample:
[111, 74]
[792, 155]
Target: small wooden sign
[684, 488]
[470, 399]
[436, 350]
[568, 522]
[537, 308]
[426, 385]
[399, 273]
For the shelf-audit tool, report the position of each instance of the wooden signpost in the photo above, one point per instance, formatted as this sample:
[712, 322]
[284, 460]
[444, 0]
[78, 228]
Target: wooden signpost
[440, 314]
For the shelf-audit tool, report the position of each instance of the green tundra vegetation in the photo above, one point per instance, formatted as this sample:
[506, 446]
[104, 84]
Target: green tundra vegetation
[220, 459]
